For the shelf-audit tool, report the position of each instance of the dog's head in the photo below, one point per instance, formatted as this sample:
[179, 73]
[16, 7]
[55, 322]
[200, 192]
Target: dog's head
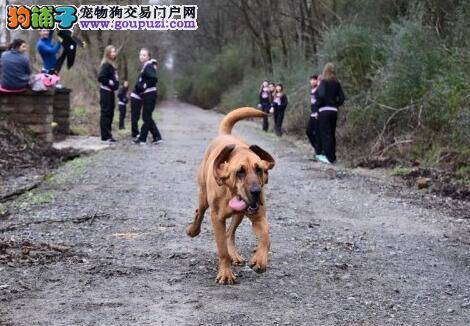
[244, 171]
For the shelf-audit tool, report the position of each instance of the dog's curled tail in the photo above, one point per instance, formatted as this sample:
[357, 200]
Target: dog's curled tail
[225, 127]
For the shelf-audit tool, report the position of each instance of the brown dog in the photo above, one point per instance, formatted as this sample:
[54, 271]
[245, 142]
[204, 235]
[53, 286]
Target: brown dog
[231, 179]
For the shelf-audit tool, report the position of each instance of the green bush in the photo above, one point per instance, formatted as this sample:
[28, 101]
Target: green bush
[242, 94]
[407, 68]
[206, 82]
[357, 51]
[415, 57]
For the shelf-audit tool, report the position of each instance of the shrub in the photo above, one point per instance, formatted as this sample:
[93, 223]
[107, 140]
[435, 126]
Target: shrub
[206, 82]
[357, 51]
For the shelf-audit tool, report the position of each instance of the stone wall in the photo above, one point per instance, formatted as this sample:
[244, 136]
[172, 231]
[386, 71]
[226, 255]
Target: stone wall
[37, 110]
[61, 112]
[31, 110]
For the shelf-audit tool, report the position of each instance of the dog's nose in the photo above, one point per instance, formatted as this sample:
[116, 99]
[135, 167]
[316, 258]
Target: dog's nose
[255, 191]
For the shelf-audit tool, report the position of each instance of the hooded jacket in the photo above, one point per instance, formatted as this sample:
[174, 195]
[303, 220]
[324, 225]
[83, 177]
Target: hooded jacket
[14, 70]
[48, 51]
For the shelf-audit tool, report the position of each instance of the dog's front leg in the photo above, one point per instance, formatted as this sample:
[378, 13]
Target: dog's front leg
[225, 275]
[259, 261]
[237, 259]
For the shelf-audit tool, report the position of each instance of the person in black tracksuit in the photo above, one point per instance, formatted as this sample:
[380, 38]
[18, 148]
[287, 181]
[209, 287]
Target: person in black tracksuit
[146, 89]
[265, 102]
[272, 92]
[329, 97]
[313, 126]
[122, 98]
[279, 106]
[109, 83]
[136, 108]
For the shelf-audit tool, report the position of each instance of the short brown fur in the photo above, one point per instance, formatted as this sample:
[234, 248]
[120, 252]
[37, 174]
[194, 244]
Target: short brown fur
[230, 168]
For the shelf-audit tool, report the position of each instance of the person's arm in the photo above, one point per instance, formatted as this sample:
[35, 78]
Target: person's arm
[56, 47]
[103, 75]
[150, 72]
[148, 77]
[284, 101]
[43, 48]
[27, 66]
[312, 103]
[320, 96]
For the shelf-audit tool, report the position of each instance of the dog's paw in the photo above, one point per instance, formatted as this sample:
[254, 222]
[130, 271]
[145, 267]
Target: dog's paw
[225, 276]
[259, 262]
[192, 231]
[237, 259]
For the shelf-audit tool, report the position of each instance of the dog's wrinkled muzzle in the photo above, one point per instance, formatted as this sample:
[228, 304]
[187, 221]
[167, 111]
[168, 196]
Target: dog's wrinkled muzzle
[255, 195]
[240, 205]
[252, 209]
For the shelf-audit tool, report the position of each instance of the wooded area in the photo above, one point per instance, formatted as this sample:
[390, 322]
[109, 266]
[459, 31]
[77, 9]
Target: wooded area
[94, 230]
[404, 66]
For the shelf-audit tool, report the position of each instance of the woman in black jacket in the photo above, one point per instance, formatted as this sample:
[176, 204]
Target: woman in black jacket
[109, 83]
[279, 106]
[329, 97]
[313, 126]
[265, 102]
[146, 89]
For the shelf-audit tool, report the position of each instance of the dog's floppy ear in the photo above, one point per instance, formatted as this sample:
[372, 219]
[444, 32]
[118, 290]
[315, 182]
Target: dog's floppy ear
[221, 172]
[265, 156]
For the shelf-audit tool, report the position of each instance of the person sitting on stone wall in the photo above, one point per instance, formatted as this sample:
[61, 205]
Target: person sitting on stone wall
[15, 69]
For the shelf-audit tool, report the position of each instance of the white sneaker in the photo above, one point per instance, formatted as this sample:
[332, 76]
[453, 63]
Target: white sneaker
[323, 159]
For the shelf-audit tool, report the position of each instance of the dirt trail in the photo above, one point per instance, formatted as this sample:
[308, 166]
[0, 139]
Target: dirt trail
[102, 242]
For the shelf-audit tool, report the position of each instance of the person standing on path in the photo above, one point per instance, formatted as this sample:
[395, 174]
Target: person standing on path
[122, 98]
[272, 92]
[329, 97]
[109, 83]
[265, 102]
[313, 125]
[279, 107]
[146, 89]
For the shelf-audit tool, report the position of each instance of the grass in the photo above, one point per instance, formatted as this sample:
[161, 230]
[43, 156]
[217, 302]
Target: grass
[78, 131]
[79, 112]
[3, 209]
[68, 172]
[33, 198]
[85, 120]
[463, 174]
[401, 171]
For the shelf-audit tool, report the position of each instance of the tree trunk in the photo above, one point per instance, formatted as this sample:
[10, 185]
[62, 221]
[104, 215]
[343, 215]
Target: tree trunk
[285, 52]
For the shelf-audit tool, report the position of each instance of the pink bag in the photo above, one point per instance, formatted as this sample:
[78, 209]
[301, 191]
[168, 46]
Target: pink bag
[50, 80]
[43, 82]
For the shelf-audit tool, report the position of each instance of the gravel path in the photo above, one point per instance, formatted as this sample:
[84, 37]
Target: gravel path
[102, 242]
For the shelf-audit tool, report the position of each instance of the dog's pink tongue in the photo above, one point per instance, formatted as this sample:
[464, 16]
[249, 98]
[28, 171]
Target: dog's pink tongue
[237, 204]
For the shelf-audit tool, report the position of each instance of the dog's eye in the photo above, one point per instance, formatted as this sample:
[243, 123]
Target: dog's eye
[241, 173]
[259, 171]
